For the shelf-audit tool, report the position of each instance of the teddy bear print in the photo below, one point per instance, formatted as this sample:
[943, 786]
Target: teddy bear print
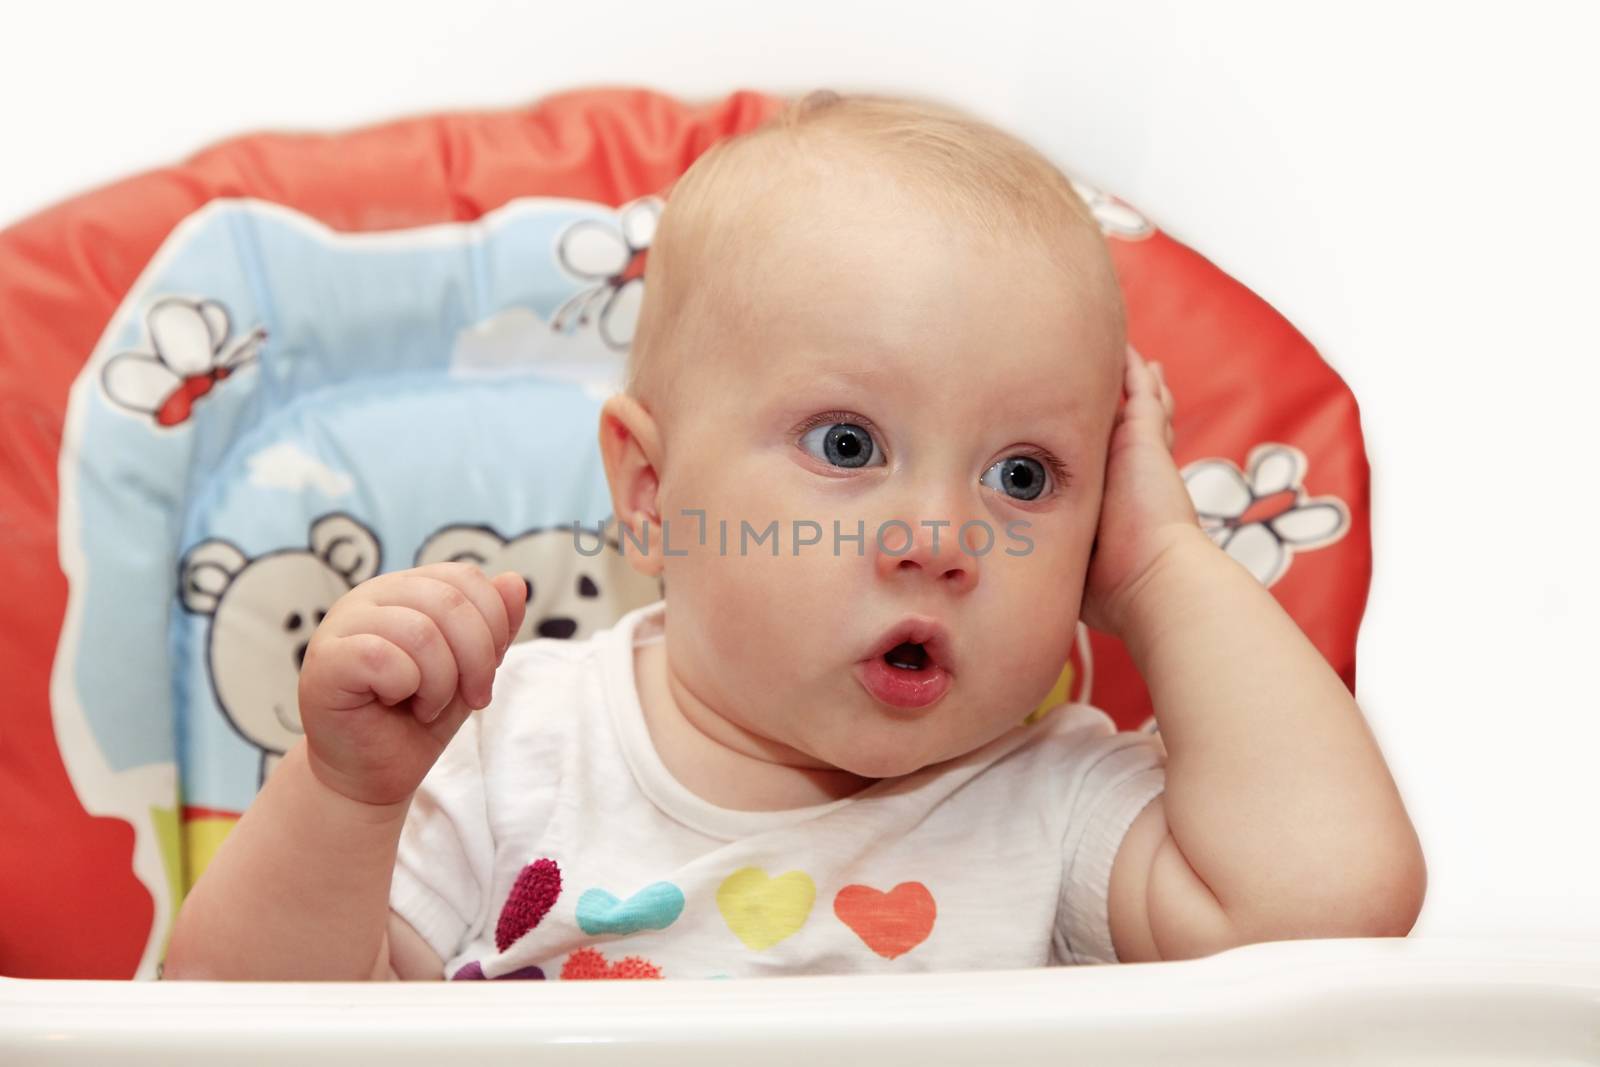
[571, 595]
[263, 611]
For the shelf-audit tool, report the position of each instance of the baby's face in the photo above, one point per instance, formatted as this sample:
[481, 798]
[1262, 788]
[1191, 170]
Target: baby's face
[889, 368]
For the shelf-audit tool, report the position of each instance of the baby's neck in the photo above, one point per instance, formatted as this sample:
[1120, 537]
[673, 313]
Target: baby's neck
[719, 761]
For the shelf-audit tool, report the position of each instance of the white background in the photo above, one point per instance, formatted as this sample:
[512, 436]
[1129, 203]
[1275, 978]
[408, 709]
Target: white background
[1417, 187]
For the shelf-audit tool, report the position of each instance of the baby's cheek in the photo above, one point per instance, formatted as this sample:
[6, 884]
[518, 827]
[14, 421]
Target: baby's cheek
[1044, 594]
[1054, 556]
[737, 600]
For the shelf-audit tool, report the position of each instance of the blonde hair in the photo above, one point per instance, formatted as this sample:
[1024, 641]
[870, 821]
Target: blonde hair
[960, 167]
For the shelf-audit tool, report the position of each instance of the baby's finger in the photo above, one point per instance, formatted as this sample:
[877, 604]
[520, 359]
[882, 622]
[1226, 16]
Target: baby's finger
[1132, 372]
[1165, 395]
[416, 635]
[1151, 381]
[458, 617]
[514, 594]
[445, 723]
[475, 585]
[362, 665]
[1164, 390]
[1144, 389]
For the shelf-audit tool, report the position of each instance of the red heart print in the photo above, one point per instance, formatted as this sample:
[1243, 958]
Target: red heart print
[531, 899]
[891, 923]
[590, 963]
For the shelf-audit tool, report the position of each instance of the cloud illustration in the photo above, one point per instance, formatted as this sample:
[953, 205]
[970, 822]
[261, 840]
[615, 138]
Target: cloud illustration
[518, 341]
[284, 466]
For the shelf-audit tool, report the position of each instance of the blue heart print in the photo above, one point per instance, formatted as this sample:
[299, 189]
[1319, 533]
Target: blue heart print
[655, 907]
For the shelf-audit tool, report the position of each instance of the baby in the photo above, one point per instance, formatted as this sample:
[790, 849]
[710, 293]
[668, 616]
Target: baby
[884, 443]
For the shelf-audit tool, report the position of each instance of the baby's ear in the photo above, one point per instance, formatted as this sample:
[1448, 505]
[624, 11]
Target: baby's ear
[630, 446]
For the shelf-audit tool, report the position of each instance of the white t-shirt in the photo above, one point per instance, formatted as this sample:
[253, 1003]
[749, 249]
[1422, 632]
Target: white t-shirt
[551, 841]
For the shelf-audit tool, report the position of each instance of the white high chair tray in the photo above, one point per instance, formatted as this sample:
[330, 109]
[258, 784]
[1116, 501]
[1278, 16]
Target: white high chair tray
[1419, 1001]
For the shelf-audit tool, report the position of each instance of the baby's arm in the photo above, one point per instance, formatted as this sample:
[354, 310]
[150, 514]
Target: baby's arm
[300, 888]
[1280, 819]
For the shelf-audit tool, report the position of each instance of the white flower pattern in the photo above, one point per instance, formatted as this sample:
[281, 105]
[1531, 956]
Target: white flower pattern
[610, 257]
[1115, 217]
[192, 350]
[1263, 517]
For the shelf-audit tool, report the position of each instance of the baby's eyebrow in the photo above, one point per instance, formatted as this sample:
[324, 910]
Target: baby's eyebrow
[1031, 408]
[848, 378]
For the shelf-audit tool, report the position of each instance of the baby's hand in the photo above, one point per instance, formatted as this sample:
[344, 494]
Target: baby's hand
[394, 670]
[1146, 508]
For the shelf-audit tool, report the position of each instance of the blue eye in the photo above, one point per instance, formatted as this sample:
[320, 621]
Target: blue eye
[843, 444]
[1020, 477]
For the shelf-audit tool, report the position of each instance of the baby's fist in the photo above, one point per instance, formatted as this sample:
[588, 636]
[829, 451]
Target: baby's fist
[394, 670]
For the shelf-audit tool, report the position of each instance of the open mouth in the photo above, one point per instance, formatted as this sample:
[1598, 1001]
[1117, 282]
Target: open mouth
[907, 656]
[910, 667]
[916, 643]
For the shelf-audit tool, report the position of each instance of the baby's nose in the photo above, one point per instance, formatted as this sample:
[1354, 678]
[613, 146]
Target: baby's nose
[932, 548]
